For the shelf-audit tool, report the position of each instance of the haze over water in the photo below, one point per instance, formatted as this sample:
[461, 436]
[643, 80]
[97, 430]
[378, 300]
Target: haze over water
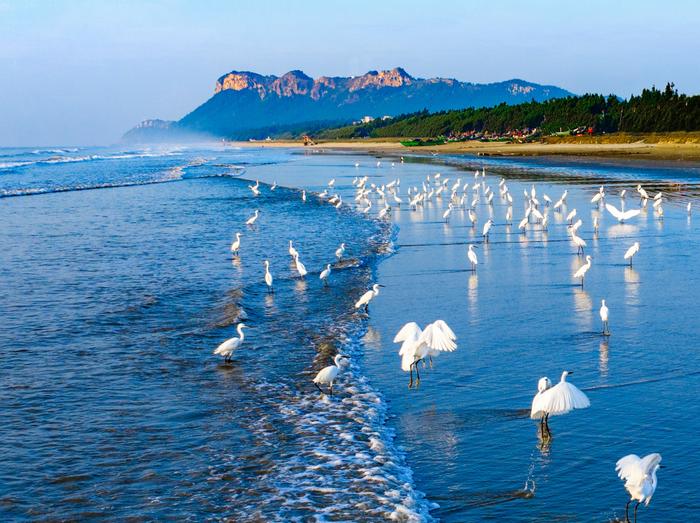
[119, 284]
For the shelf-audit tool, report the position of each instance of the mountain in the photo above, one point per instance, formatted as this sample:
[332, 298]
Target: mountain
[250, 105]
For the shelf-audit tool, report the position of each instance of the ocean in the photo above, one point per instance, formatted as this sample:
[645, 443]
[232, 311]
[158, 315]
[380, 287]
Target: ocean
[118, 285]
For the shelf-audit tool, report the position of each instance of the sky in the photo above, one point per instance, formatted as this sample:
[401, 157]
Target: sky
[82, 72]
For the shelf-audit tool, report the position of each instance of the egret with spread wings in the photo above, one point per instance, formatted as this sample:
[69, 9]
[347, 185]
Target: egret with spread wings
[417, 344]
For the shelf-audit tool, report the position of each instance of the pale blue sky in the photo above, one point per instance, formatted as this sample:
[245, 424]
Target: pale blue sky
[84, 71]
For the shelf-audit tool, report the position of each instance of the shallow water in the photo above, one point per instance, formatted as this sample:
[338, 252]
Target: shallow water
[113, 405]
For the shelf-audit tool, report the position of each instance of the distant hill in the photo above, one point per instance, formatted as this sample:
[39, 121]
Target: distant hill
[250, 105]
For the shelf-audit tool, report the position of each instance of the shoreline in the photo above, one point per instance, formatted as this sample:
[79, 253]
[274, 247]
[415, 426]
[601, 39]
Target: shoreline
[686, 152]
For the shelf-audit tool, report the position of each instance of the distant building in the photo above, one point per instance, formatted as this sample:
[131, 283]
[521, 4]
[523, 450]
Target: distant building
[367, 119]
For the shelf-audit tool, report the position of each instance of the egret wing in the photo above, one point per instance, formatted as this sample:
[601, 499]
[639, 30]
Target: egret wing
[630, 469]
[614, 211]
[410, 331]
[631, 214]
[438, 336]
[563, 398]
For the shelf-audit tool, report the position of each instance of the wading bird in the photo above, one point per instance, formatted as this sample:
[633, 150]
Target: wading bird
[227, 348]
[325, 274]
[368, 297]
[340, 251]
[604, 317]
[555, 401]
[327, 375]
[236, 243]
[471, 255]
[622, 216]
[487, 229]
[268, 276]
[301, 268]
[543, 385]
[629, 254]
[417, 344]
[581, 272]
[253, 219]
[292, 251]
[639, 475]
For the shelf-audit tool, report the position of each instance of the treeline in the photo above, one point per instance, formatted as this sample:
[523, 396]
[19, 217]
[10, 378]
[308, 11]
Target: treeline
[652, 111]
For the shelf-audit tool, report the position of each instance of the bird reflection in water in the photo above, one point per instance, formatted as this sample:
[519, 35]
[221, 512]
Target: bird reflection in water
[603, 356]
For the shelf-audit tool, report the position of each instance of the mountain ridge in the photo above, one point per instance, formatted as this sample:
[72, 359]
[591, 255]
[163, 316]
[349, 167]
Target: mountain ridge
[246, 104]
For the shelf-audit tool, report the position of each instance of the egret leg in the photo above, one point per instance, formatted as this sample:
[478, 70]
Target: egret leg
[366, 308]
[430, 358]
[417, 375]
[627, 508]
[331, 388]
[319, 387]
[635, 511]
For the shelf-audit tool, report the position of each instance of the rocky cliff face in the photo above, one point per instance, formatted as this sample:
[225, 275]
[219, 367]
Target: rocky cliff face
[250, 105]
[297, 82]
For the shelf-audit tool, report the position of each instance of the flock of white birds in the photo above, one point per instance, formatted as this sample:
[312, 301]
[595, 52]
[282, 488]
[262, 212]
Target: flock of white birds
[419, 345]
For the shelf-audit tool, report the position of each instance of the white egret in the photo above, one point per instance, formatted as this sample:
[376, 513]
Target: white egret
[523, 224]
[254, 218]
[303, 196]
[575, 227]
[301, 268]
[547, 200]
[340, 251]
[446, 214]
[581, 272]
[255, 187]
[509, 215]
[555, 401]
[642, 193]
[417, 344]
[621, 216]
[268, 276]
[543, 384]
[292, 251]
[472, 217]
[325, 273]
[579, 242]
[631, 252]
[227, 348]
[639, 475]
[236, 245]
[368, 297]
[471, 255]
[570, 217]
[273, 186]
[487, 229]
[327, 375]
[331, 183]
[604, 317]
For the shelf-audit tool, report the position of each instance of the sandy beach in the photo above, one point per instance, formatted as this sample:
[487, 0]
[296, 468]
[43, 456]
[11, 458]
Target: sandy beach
[670, 147]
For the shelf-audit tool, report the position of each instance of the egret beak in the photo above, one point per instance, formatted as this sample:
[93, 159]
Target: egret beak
[570, 372]
[663, 467]
[382, 285]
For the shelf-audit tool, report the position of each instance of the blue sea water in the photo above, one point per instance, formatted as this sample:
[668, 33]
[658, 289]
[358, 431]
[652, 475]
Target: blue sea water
[119, 284]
